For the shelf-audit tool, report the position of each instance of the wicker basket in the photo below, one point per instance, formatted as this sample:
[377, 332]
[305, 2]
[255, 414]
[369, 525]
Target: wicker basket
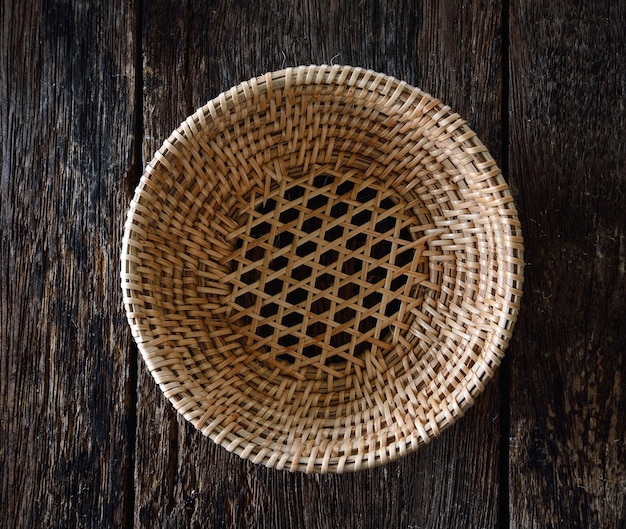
[322, 268]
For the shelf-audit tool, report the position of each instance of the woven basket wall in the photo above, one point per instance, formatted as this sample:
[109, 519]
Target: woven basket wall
[322, 268]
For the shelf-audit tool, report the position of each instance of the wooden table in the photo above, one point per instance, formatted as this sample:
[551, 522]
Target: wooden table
[89, 91]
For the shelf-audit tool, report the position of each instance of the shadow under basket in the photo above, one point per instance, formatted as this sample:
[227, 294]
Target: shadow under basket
[322, 268]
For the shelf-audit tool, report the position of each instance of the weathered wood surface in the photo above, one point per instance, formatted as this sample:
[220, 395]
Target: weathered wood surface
[67, 89]
[568, 159]
[194, 51]
[90, 90]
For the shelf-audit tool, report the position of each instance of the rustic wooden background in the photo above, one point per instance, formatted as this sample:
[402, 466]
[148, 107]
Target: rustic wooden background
[90, 89]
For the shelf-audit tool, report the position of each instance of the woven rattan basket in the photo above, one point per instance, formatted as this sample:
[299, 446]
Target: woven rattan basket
[322, 268]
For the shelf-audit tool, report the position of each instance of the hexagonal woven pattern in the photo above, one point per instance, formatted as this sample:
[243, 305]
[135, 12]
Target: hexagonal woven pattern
[326, 268]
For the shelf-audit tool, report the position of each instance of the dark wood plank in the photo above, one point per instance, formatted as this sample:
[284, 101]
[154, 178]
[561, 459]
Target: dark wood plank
[66, 85]
[192, 52]
[568, 160]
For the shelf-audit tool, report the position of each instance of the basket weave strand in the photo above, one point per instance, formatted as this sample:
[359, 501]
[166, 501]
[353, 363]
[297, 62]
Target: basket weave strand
[322, 268]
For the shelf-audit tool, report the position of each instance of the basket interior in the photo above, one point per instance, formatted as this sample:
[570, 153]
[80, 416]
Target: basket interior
[326, 267]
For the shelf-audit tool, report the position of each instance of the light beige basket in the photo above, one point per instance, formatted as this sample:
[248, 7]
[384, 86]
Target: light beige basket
[322, 268]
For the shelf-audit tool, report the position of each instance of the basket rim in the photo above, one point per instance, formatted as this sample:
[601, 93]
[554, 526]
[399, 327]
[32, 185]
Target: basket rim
[477, 178]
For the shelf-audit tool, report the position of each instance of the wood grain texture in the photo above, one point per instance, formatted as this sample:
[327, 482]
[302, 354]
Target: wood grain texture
[192, 52]
[568, 158]
[66, 85]
[84, 444]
